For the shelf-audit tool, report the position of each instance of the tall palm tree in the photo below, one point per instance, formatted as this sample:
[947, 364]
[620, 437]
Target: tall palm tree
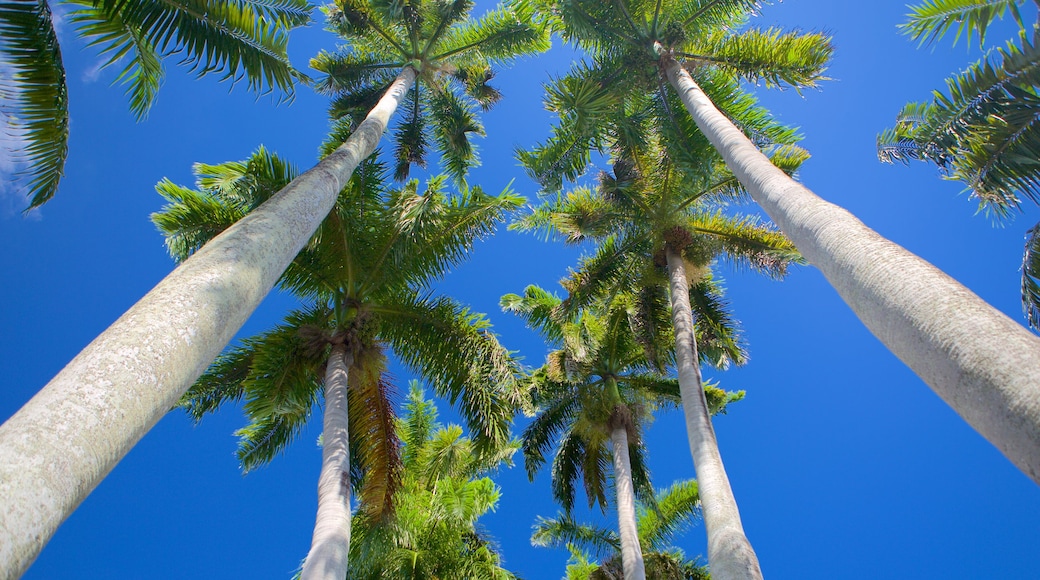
[366, 274]
[673, 511]
[93, 412]
[982, 363]
[599, 386]
[433, 532]
[982, 131]
[240, 39]
[652, 215]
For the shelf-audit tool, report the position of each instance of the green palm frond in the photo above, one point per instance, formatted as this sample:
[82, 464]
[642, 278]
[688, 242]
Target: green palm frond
[434, 532]
[566, 469]
[563, 530]
[983, 131]
[454, 119]
[677, 508]
[1031, 277]
[719, 340]
[744, 241]
[545, 431]
[35, 97]
[453, 56]
[221, 383]
[226, 193]
[281, 388]
[426, 234]
[500, 35]
[419, 422]
[455, 350]
[537, 308]
[241, 41]
[771, 56]
[931, 20]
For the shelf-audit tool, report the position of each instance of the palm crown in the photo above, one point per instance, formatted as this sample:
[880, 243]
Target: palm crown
[651, 200]
[365, 274]
[452, 56]
[599, 378]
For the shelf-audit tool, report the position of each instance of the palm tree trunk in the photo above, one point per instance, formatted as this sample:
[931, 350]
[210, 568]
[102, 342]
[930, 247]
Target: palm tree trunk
[979, 361]
[60, 445]
[631, 552]
[327, 558]
[730, 555]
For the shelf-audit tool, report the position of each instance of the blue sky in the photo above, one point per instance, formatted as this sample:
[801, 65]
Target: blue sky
[845, 465]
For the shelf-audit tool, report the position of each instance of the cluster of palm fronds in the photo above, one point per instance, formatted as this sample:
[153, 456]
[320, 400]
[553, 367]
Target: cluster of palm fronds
[984, 129]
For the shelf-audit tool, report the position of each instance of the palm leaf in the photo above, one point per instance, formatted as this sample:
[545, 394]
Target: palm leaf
[931, 20]
[563, 530]
[1031, 277]
[237, 40]
[35, 95]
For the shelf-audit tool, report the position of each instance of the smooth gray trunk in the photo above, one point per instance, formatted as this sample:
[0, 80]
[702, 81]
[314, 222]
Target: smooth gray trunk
[730, 556]
[59, 446]
[327, 558]
[631, 552]
[980, 362]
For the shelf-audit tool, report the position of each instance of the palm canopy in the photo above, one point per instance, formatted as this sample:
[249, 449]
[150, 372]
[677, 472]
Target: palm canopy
[445, 490]
[630, 41]
[452, 55]
[599, 378]
[365, 274]
[654, 198]
[673, 511]
[982, 130]
[241, 40]
[596, 117]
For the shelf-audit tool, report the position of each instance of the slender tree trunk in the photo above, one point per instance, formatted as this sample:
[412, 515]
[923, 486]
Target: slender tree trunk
[327, 559]
[631, 552]
[980, 362]
[59, 446]
[730, 555]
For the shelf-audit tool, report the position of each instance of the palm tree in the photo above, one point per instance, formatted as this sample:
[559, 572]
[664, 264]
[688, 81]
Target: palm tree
[94, 411]
[982, 130]
[241, 40]
[433, 532]
[654, 211]
[673, 510]
[599, 386]
[366, 275]
[963, 348]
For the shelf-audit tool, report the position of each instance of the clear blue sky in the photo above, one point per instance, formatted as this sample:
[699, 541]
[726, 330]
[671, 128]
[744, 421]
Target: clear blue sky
[844, 464]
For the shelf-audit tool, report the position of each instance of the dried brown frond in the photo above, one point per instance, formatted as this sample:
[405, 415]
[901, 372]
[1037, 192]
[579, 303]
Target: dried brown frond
[372, 427]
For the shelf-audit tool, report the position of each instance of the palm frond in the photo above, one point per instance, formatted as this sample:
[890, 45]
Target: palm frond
[375, 444]
[1031, 277]
[563, 530]
[238, 40]
[35, 95]
[537, 309]
[933, 19]
[984, 131]
[677, 508]
[453, 120]
[544, 432]
[464, 362]
[768, 55]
